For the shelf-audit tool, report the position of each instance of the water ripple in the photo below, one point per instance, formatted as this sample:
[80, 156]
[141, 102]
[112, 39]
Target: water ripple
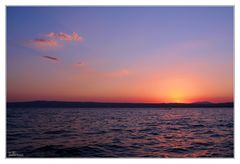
[120, 132]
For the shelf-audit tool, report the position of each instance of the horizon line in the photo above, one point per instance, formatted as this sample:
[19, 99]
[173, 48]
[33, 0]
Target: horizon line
[206, 102]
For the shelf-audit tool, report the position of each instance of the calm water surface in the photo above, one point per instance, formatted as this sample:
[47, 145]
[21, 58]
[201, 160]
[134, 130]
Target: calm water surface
[75, 132]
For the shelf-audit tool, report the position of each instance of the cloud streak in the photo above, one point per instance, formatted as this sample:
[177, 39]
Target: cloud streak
[118, 73]
[51, 58]
[65, 37]
[43, 44]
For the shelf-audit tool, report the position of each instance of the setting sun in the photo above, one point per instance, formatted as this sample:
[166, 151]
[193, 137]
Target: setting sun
[177, 97]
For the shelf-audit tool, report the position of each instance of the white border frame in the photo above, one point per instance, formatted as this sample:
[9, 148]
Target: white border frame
[235, 3]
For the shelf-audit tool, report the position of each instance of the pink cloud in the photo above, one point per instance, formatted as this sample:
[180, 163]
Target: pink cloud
[54, 40]
[44, 43]
[118, 73]
[51, 35]
[65, 37]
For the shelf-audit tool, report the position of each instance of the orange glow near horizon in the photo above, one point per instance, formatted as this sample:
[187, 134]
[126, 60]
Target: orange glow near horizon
[115, 86]
[166, 91]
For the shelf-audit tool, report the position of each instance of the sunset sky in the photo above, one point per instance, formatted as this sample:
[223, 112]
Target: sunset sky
[120, 54]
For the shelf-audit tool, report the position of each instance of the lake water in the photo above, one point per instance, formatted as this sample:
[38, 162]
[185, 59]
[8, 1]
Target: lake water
[76, 132]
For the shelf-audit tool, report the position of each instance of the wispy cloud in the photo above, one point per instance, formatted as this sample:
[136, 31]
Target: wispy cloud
[79, 64]
[91, 72]
[51, 58]
[54, 40]
[119, 73]
[44, 44]
[65, 37]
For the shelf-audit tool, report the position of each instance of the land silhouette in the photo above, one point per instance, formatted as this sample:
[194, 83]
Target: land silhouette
[66, 104]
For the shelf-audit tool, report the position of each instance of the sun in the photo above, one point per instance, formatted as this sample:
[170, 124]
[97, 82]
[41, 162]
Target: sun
[177, 97]
[177, 94]
[177, 90]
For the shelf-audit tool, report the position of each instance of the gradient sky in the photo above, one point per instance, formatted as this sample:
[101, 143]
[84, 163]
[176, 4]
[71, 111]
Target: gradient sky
[120, 54]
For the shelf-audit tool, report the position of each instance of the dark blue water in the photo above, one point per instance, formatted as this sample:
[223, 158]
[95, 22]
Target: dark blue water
[73, 132]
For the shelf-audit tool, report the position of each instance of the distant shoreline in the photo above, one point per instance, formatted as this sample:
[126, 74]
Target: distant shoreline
[64, 104]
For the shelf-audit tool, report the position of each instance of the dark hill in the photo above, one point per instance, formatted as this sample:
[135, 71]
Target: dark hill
[63, 104]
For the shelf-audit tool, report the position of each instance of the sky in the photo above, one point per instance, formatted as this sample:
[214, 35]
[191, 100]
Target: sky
[120, 54]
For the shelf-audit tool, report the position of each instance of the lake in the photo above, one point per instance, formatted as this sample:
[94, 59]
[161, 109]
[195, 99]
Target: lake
[120, 132]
